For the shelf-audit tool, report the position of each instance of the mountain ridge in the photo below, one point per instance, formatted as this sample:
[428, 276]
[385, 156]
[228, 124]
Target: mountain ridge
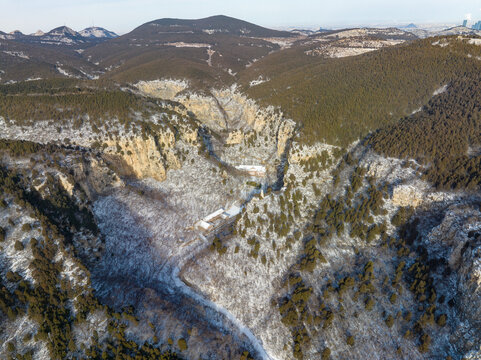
[220, 23]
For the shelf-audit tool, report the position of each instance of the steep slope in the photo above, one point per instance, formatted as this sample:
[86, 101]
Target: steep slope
[444, 136]
[364, 92]
[22, 61]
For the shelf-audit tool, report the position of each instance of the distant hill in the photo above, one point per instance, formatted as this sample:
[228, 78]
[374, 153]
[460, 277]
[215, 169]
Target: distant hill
[97, 33]
[303, 31]
[6, 36]
[219, 24]
[458, 30]
[206, 51]
[379, 33]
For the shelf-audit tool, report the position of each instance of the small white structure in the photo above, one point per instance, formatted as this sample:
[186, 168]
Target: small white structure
[214, 216]
[475, 41]
[217, 219]
[253, 170]
[234, 210]
[203, 226]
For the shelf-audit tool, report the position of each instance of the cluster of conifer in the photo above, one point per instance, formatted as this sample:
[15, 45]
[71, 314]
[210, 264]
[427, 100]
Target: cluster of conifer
[445, 136]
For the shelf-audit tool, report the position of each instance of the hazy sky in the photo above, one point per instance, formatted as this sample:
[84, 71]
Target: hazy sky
[124, 15]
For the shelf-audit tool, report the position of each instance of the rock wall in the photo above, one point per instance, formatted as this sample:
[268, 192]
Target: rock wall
[225, 110]
[148, 157]
[165, 89]
[407, 195]
[235, 137]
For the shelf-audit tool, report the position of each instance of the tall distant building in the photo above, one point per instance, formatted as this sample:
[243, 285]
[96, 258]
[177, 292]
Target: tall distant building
[477, 26]
[465, 23]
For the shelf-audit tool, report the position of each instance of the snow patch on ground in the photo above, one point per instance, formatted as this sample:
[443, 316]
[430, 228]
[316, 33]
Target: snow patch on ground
[441, 43]
[19, 54]
[63, 72]
[210, 52]
[96, 32]
[441, 90]
[417, 110]
[246, 331]
[258, 81]
[251, 63]
[212, 31]
[348, 47]
[284, 43]
[474, 42]
[181, 44]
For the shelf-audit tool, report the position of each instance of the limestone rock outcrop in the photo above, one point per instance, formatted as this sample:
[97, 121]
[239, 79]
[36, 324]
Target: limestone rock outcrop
[235, 137]
[165, 89]
[407, 195]
[144, 157]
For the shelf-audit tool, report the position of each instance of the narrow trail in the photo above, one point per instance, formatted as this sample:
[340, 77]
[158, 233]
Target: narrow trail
[143, 247]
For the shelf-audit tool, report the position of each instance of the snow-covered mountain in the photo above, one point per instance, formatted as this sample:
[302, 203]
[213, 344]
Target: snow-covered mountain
[98, 33]
[38, 33]
[62, 36]
[63, 31]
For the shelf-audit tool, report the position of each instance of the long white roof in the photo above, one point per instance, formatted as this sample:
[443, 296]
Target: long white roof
[213, 215]
[259, 168]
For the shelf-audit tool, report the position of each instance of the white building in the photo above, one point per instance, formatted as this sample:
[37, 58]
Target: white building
[234, 210]
[214, 216]
[253, 170]
[217, 219]
[203, 226]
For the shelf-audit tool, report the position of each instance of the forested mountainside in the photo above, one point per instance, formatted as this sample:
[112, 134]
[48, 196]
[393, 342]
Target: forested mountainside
[365, 92]
[444, 136]
[211, 189]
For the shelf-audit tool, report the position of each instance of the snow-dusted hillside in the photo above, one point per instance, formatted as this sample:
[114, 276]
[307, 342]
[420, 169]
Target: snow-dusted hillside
[97, 32]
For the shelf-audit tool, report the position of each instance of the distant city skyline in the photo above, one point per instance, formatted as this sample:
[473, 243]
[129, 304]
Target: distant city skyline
[123, 16]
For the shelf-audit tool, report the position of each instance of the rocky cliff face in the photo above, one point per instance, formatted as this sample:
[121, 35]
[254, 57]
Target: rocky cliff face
[147, 157]
[147, 153]
[226, 111]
